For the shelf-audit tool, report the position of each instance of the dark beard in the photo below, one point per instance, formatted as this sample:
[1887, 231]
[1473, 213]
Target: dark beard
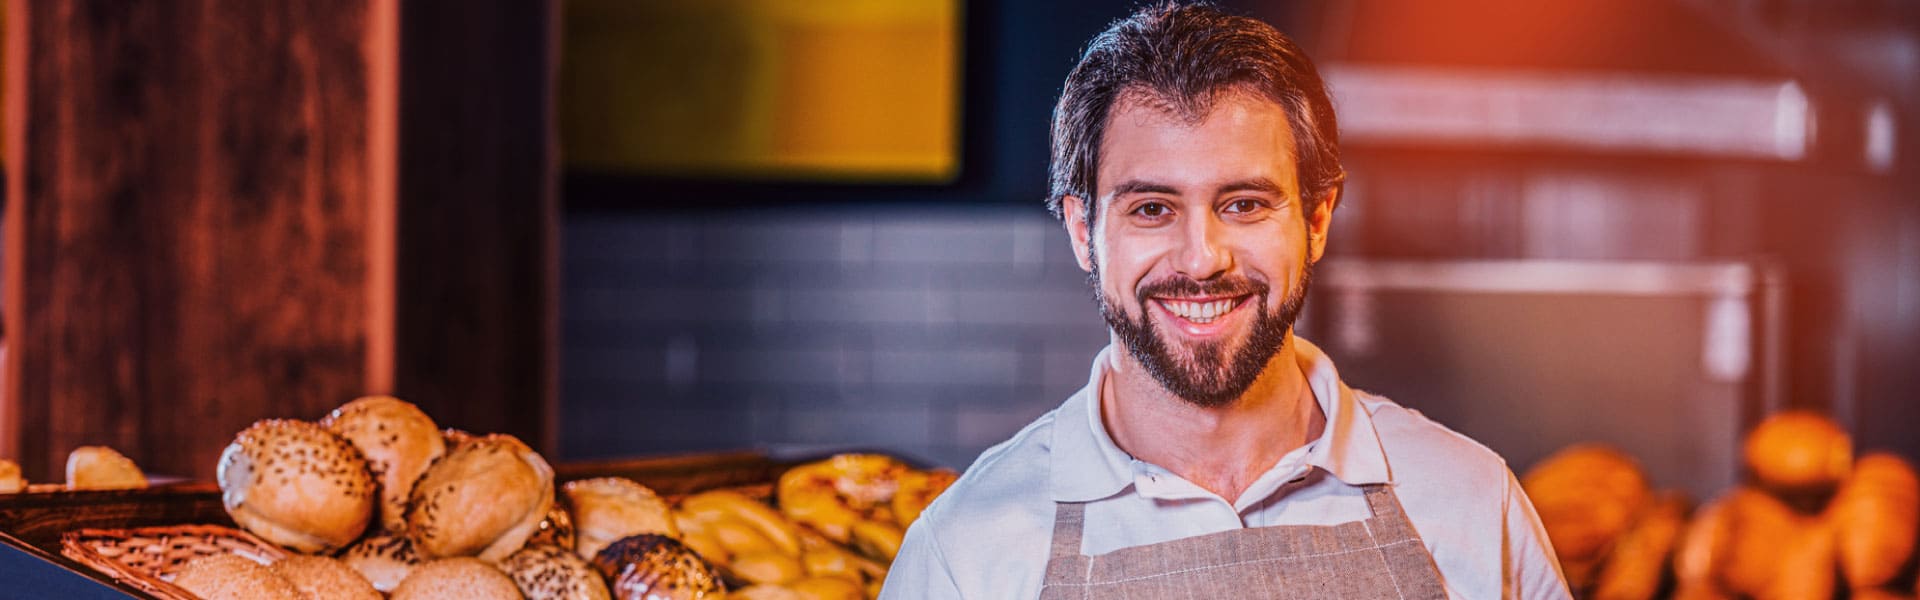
[1209, 378]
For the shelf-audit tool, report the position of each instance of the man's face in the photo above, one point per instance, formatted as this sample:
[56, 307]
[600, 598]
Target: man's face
[1200, 250]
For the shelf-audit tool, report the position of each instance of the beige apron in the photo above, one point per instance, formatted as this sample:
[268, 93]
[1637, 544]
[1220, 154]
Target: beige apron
[1380, 557]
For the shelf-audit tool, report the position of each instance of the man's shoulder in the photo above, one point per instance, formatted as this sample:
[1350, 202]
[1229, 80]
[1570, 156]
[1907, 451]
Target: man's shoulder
[992, 526]
[1014, 472]
[1414, 442]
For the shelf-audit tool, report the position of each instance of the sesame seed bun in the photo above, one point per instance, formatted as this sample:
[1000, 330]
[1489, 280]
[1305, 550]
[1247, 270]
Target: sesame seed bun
[296, 484]
[322, 577]
[456, 579]
[385, 560]
[230, 577]
[485, 498]
[554, 573]
[399, 442]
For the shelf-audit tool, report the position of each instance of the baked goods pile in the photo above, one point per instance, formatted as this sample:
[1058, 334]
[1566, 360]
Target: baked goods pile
[1810, 521]
[377, 499]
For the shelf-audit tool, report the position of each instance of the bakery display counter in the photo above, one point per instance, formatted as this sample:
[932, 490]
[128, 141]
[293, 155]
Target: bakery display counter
[34, 523]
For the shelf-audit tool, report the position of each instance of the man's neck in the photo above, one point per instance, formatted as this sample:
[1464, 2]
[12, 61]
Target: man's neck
[1222, 449]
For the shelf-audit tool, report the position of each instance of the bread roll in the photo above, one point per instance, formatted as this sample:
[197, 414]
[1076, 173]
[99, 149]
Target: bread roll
[1765, 536]
[322, 577]
[1805, 567]
[230, 577]
[1876, 516]
[1703, 546]
[11, 482]
[398, 442]
[546, 572]
[298, 485]
[385, 560]
[1637, 565]
[656, 567]
[610, 508]
[102, 468]
[555, 530]
[460, 578]
[1587, 496]
[485, 498]
[1798, 452]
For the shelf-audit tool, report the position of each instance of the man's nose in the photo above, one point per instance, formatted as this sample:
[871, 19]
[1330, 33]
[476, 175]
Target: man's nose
[1203, 253]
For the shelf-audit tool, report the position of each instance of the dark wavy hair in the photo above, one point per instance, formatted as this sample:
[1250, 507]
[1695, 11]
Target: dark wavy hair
[1179, 57]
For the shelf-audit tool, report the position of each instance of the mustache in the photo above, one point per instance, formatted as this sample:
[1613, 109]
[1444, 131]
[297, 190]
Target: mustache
[1177, 286]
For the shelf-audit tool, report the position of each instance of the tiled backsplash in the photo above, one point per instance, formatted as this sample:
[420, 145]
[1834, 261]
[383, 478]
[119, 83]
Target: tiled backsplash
[933, 332]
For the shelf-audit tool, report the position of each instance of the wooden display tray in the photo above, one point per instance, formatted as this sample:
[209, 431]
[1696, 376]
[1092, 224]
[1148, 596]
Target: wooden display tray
[31, 524]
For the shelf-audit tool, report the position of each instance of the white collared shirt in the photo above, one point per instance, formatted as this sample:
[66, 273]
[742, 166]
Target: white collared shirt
[987, 536]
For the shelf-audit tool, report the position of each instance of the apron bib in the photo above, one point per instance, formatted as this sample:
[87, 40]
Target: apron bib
[1380, 557]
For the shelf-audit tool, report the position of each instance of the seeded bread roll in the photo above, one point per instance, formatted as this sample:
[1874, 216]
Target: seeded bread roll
[485, 498]
[102, 468]
[657, 567]
[398, 441]
[10, 480]
[546, 572]
[385, 560]
[609, 508]
[230, 577]
[322, 577]
[296, 484]
[555, 530]
[459, 578]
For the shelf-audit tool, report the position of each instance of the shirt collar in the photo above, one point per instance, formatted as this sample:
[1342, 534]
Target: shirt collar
[1088, 465]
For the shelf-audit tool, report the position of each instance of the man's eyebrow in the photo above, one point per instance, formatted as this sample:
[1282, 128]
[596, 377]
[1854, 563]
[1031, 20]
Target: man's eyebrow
[1257, 184]
[1135, 186]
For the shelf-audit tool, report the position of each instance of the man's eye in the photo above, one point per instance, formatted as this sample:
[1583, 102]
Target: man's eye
[1151, 209]
[1244, 205]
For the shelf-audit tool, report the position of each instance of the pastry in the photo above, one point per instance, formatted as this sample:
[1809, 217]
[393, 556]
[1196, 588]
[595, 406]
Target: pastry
[11, 482]
[609, 508]
[102, 468]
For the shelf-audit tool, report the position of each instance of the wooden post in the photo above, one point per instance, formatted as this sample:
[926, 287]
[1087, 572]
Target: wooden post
[205, 228]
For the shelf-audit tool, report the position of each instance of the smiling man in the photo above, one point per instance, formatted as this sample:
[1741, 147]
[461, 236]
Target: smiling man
[1213, 454]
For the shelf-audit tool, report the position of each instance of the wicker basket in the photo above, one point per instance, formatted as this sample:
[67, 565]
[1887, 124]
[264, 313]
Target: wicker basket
[146, 557]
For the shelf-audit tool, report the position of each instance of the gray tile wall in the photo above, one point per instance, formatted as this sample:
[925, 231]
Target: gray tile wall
[933, 332]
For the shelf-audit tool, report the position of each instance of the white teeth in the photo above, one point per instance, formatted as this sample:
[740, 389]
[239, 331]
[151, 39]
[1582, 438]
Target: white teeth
[1198, 312]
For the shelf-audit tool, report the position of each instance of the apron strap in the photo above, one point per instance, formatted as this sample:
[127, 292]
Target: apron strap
[1382, 501]
[1069, 518]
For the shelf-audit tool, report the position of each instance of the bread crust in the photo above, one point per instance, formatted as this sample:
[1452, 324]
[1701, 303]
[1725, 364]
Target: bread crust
[484, 498]
[399, 442]
[296, 484]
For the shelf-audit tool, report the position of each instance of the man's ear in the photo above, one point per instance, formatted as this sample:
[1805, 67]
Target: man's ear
[1074, 211]
[1319, 223]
